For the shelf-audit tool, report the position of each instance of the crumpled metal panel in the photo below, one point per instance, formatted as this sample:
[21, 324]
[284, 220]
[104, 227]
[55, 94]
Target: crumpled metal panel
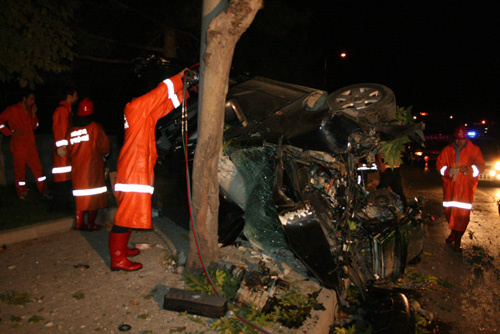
[307, 240]
[383, 255]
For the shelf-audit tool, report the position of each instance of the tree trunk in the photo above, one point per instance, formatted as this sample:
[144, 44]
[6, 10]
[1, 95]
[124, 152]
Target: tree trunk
[221, 36]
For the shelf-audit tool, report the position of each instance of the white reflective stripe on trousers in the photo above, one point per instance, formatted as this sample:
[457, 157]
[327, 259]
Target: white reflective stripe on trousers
[134, 188]
[61, 170]
[41, 178]
[21, 183]
[87, 192]
[454, 204]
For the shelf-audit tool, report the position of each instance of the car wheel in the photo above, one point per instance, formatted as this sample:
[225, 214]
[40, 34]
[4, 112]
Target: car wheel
[366, 103]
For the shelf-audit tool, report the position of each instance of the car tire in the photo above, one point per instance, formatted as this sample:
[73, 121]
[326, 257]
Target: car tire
[365, 103]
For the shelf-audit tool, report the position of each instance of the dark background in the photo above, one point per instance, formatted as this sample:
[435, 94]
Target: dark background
[437, 57]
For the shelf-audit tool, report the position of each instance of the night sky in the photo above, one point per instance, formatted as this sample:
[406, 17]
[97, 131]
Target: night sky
[438, 57]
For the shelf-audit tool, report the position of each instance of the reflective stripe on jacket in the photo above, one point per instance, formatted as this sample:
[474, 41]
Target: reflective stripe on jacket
[460, 193]
[89, 187]
[135, 174]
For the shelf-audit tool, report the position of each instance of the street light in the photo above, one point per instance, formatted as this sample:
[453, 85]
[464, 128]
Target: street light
[342, 55]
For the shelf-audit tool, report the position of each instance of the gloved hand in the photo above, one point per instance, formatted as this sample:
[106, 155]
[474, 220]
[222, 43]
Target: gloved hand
[454, 173]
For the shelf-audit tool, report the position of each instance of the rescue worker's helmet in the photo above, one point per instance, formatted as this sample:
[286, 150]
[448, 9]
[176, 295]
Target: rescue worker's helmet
[86, 107]
[461, 132]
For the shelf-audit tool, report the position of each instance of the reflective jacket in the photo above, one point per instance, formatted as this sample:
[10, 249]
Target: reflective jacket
[23, 146]
[135, 168]
[460, 193]
[61, 122]
[88, 145]
[19, 120]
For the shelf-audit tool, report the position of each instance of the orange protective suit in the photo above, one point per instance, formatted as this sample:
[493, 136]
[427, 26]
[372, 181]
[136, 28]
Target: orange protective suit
[135, 169]
[458, 194]
[87, 147]
[61, 122]
[23, 146]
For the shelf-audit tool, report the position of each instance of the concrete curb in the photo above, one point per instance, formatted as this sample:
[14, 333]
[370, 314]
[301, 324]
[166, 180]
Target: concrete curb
[50, 227]
[35, 231]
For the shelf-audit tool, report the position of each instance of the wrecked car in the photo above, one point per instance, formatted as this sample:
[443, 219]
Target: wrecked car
[288, 177]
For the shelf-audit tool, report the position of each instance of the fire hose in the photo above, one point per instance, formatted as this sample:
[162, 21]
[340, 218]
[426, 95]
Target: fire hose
[190, 79]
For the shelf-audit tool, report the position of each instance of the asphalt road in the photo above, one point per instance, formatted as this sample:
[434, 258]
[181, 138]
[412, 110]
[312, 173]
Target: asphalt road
[465, 300]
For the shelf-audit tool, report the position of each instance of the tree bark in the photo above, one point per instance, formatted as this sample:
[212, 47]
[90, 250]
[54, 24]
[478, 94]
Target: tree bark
[221, 36]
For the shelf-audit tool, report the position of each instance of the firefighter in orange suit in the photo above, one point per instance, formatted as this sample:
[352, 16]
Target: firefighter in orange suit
[61, 171]
[87, 147]
[19, 120]
[135, 177]
[460, 164]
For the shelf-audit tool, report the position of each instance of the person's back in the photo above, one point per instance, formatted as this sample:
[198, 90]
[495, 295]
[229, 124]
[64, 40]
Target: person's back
[61, 171]
[87, 147]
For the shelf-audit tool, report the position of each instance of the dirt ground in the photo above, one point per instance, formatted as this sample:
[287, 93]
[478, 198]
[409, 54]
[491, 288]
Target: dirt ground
[67, 287]
[70, 288]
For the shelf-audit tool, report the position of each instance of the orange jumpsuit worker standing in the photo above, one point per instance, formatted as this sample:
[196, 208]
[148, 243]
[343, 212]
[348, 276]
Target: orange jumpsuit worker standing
[61, 171]
[87, 147]
[22, 120]
[460, 164]
[135, 169]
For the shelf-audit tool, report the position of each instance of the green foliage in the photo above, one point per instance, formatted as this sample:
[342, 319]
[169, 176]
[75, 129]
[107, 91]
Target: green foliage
[15, 318]
[352, 224]
[352, 330]
[235, 326]
[293, 308]
[421, 324]
[392, 150]
[78, 295]
[445, 283]
[224, 282]
[35, 37]
[353, 295]
[35, 319]
[403, 115]
[422, 278]
[15, 298]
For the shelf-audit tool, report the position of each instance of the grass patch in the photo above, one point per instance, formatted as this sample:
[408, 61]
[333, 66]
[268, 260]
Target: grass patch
[15, 212]
[78, 295]
[12, 297]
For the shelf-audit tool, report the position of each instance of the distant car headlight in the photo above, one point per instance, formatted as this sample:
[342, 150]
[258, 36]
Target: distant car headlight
[497, 165]
[418, 153]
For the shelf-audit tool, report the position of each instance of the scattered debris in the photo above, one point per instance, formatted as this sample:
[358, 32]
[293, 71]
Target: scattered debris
[124, 327]
[35, 319]
[15, 298]
[143, 246]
